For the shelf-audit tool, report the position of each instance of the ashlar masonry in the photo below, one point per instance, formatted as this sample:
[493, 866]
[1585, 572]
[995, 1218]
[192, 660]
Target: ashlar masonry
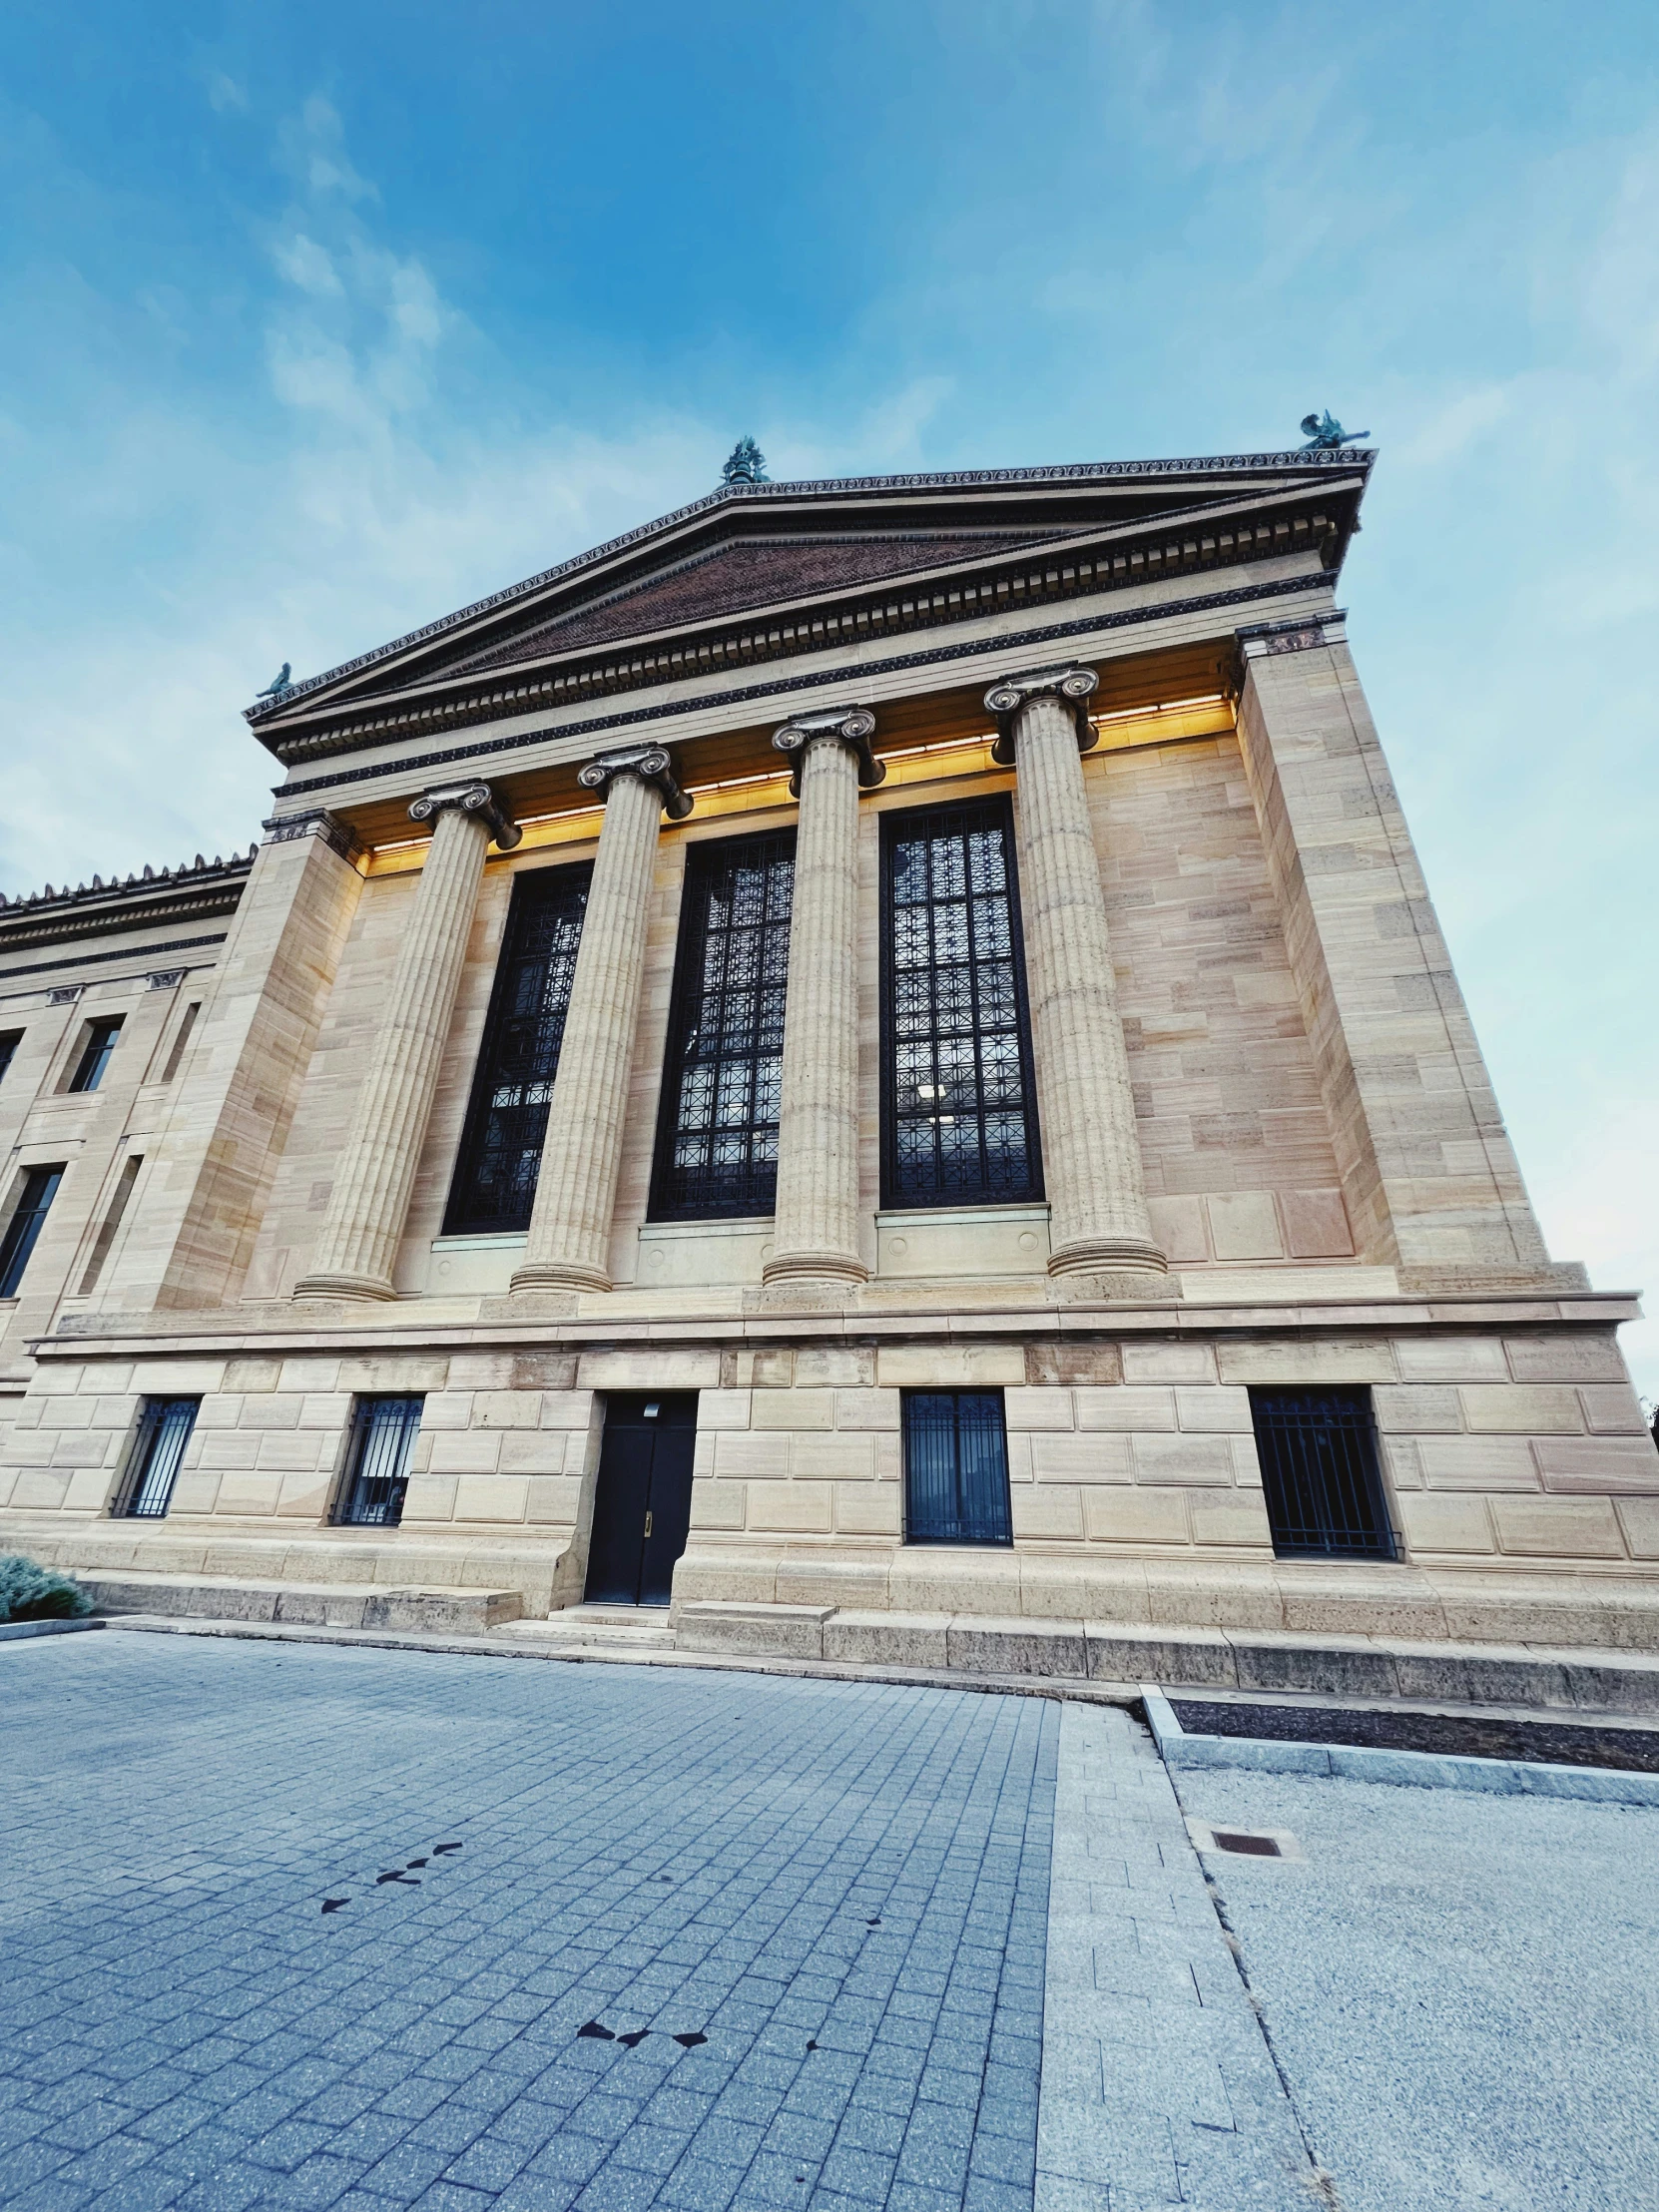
[872, 1046]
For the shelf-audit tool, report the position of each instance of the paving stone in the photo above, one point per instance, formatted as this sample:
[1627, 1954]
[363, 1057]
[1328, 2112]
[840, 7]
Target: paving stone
[419, 2047]
[1143, 2005]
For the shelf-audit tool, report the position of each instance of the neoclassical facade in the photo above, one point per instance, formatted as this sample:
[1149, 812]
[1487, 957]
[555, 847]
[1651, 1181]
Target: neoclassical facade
[871, 1049]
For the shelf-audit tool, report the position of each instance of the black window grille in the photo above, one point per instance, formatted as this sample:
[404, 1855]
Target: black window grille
[960, 1119]
[40, 1187]
[1321, 1475]
[95, 1054]
[955, 1468]
[158, 1451]
[377, 1462]
[723, 1075]
[500, 1157]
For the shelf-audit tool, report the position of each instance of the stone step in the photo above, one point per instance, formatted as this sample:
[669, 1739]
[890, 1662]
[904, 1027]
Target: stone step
[1593, 1680]
[310, 1605]
[598, 1628]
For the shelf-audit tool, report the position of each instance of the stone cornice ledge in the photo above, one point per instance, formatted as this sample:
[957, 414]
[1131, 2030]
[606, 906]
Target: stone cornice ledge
[859, 1317]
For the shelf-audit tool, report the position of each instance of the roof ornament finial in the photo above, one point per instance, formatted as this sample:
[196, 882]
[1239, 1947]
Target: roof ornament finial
[747, 466]
[1325, 433]
[279, 684]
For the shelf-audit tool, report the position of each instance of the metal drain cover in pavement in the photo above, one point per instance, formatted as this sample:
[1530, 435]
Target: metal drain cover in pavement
[1245, 1843]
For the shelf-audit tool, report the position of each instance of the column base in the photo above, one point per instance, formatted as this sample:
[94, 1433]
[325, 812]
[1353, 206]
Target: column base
[814, 1266]
[558, 1274]
[1108, 1255]
[364, 1290]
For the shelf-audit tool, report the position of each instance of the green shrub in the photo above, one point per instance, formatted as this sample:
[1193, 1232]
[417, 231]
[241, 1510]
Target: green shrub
[31, 1593]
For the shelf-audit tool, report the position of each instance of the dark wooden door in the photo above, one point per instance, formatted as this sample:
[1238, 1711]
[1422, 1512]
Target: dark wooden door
[642, 1504]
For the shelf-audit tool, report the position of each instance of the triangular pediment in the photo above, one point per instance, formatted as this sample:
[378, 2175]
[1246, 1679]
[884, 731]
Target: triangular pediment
[784, 553]
[735, 578]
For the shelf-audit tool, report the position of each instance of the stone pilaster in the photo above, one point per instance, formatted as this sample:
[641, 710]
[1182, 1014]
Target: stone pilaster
[1430, 1177]
[370, 1199]
[817, 1232]
[568, 1248]
[1091, 1154]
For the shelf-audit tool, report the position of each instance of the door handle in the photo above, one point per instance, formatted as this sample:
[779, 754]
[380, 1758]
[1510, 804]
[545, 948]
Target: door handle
[647, 1524]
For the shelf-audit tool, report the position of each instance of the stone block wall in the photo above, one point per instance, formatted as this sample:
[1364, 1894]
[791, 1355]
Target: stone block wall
[1234, 1141]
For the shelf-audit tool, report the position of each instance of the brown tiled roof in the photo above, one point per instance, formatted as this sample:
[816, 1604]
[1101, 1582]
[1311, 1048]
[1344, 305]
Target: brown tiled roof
[739, 575]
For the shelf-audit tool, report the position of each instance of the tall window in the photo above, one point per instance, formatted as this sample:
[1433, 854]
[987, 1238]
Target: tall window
[158, 1449]
[717, 1136]
[377, 1462]
[955, 1468]
[1319, 1473]
[8, 1046]
[495, 1177]
[958, 1099]
[40, 1187]
[94, 1053]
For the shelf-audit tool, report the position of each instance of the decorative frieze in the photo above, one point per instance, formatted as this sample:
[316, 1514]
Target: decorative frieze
[334, 834]
[1302, 634]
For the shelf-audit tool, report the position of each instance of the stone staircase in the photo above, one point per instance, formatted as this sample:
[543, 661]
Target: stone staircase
[599, 1631]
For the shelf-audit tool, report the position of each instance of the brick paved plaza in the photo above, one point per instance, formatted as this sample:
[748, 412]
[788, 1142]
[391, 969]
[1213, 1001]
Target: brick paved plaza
[842, 1888]
[850, 1944]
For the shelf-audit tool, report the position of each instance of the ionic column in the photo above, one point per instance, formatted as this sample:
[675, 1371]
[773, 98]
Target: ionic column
[1091, 1154]
[370, 1200]
[570, 1229]
[817, 1232]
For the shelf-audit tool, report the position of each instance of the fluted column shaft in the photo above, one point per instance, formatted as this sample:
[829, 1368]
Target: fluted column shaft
[1091, 1153]
[370, 1200]
[570, 1228]
[816, 1234]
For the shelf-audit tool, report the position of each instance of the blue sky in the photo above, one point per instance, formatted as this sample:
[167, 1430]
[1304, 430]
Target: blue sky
[321, 320]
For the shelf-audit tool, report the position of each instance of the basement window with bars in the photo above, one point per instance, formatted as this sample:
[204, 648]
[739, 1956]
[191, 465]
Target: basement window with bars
[383, 1430]
[723, 1076]
[500, 1157]
[959, 1117]
[955, 1468]
[1321, 1475]
[163, 1430]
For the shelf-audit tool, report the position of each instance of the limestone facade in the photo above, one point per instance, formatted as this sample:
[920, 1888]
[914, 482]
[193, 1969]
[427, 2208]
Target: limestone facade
[1271, 1159]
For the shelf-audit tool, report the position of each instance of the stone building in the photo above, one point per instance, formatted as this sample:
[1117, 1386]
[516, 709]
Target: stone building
[867, 1052]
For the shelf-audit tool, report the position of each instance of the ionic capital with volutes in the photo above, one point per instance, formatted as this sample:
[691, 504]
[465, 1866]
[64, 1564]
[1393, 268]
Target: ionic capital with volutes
[477, 801]
[652, 764]
[1069, 682]
[849, 726]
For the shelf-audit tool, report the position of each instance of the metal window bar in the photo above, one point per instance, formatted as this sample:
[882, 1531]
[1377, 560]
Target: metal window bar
[723, 1077]
[1321, 1474]
[377, 1468]
[955, 1468]
[101, 1042]
[959, 1122]
[494, 1186]
[158, 1452]
[40, 1187]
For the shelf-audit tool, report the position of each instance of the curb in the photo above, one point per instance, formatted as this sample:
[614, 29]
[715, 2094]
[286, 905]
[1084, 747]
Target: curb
[11, 1629]
[1123, 1695]
[1417, 1770]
